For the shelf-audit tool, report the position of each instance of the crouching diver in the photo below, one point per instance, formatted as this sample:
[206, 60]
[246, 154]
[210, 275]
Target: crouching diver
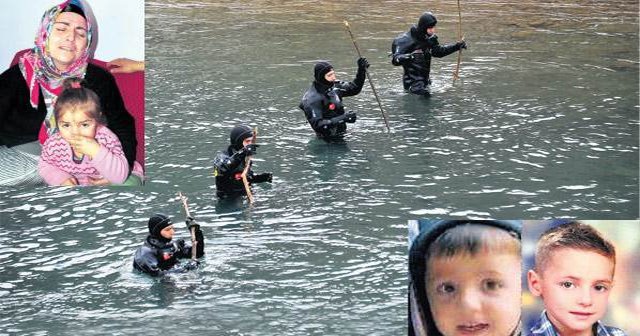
[322, 102]
[229, 164]
[159, 255]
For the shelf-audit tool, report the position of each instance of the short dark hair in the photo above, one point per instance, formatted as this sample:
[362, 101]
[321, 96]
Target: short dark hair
[573, 235]
[472, 238]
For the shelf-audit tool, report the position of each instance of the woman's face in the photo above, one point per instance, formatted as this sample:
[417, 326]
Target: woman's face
[67, 40]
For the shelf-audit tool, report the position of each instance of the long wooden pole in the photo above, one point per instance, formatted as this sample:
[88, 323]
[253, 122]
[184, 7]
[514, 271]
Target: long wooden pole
[247, 164]
[194, 242]
[455, 74]
[373, 88]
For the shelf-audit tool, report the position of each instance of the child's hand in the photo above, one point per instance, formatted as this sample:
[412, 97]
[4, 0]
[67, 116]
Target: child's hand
[84, 145]
[70, 182]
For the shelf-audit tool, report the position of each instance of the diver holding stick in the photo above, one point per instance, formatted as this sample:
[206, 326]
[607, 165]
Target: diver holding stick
[160, 254]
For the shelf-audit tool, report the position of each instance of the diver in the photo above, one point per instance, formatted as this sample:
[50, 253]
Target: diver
[159, 254]
[230, 164]
[413, 50]
[322, 102]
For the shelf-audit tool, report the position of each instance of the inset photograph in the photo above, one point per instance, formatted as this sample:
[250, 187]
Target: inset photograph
[464, 277]
[581, 277]
[72, 95]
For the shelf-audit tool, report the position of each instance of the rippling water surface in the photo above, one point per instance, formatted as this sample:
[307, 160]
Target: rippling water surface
[543, 123]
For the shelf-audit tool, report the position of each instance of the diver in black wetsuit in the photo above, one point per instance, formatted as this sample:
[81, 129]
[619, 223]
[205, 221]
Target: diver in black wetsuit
[159, 255]
[322, 102]
[413, 50]
[229, 164]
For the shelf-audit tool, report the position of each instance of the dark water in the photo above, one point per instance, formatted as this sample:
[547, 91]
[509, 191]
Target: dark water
[543, 123]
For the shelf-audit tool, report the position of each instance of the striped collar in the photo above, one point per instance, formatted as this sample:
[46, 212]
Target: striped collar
[543, 327]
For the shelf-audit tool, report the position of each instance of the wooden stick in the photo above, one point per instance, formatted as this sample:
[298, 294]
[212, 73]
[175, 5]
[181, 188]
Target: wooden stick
[373, 88]
[247, 163]
[194, 242]
[455, 74]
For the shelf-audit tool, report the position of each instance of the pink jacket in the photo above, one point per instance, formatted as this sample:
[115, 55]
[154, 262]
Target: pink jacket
[56, 163]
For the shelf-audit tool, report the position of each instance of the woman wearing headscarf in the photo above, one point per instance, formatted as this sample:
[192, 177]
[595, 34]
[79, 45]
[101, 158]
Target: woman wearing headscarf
[28, 90]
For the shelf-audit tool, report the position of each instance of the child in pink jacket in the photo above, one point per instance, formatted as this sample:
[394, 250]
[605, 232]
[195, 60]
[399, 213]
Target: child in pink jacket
[83, 150]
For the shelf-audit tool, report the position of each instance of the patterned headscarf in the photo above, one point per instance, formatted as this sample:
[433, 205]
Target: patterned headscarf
[38, 67]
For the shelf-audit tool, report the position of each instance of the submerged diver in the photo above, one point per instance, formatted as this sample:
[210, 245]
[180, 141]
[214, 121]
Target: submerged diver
[322, 102]
[413, 50]
[229, 164]
[159, 255]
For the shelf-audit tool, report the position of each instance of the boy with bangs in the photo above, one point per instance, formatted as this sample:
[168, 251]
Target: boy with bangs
[465, 278]
[573, 274]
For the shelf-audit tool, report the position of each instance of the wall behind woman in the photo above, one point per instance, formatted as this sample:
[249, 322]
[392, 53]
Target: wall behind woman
[120, 24]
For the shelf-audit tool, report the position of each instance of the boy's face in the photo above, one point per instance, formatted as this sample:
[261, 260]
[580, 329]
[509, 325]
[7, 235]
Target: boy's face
[475, 295]
[574, 286]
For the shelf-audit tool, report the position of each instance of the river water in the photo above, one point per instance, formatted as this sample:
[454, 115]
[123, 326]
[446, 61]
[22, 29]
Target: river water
[543, 123]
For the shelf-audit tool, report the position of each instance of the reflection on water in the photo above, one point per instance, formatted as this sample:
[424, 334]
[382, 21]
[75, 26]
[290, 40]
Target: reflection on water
[543, 123]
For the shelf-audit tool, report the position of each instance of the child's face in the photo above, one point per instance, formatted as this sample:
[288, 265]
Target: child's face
[77, 122]
[574, 286]
[475, 295]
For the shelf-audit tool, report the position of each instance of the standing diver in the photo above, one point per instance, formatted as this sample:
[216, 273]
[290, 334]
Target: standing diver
[159, 255]
[229, 164]
[322, 102]
[413, 50]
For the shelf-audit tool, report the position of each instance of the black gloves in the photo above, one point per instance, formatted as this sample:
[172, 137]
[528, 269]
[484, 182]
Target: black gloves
[324, 123]
[337, 120]
[264, 177]
[462, 44]
[245, 151]
[249, 150]
[362, 63]
[191, 223]
[350, 117]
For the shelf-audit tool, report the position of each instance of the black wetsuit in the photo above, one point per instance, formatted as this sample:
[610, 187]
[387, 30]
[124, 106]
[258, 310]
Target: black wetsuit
[158, 256]
[228, 167]
[417, 66]
[322, 105]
